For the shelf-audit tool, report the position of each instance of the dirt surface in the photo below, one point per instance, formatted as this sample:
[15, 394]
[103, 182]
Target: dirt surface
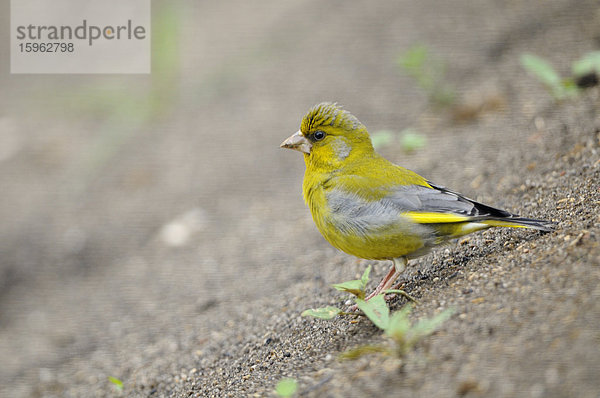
[170, 248]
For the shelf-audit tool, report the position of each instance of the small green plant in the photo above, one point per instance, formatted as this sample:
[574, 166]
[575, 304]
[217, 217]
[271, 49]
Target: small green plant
[370, 308]
[286, 387]
[429, 72]
[401, 331]
[585, 73]
[559, 88]
[382, 138]
[590, 62]
[410, 139]
[396, 326]
[118, 384]
[586, 70]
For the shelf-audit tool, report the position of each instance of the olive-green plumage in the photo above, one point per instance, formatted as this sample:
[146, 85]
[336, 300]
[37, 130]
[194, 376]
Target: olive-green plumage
[368, 207]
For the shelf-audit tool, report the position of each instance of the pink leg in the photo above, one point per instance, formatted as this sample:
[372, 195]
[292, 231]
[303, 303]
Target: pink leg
[385, 283]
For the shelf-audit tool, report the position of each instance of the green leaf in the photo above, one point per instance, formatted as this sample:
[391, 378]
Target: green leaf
[323, 313]
[429, 72]
[382, 138]
[589, 63]
[399, 324]
[356, 287]
[547, 75]
[116, 382]
[357, 352]
[413, 59]
[376, 310]
[421, 66]
[365, 277]
[286, 387]
[411, 140]
[541, 69]
[425, 327]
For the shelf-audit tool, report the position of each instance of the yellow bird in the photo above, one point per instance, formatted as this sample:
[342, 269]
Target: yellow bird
[371, 208]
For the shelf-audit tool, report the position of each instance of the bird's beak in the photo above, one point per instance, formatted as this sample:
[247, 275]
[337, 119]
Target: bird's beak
[298, 142]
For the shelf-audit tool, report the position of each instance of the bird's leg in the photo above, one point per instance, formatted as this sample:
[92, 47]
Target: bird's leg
[388, 281]
[385, 283]
[390, 278]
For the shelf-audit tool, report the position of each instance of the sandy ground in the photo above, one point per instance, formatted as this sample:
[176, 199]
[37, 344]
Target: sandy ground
[173, 250]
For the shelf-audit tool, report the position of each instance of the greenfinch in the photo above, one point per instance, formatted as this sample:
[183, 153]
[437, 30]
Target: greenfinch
[371, 208]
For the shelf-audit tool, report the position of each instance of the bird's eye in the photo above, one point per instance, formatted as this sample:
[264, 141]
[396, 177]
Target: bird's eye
[319, 135]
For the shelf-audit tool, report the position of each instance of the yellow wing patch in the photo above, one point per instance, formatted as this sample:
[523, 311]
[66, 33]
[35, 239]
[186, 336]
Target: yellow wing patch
[449, 218]
[434, 218]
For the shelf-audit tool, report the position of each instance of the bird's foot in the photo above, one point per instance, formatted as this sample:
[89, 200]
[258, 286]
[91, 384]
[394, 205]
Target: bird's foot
[387, 282]
[389, 295]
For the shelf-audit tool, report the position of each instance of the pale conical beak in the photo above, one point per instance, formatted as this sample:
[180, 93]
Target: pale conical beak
[298, 142]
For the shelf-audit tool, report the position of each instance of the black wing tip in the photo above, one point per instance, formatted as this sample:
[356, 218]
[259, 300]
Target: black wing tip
[482, 211]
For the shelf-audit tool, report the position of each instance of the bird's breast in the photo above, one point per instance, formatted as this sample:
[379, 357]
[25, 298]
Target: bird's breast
[360, 227]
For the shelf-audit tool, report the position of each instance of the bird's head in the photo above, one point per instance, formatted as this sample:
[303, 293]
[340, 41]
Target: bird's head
[329, 135]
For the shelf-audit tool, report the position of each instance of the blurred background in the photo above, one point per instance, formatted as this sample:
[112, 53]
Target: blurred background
[131, 203]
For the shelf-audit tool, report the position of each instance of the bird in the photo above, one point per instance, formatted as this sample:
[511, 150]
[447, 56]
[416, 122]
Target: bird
[371, 208]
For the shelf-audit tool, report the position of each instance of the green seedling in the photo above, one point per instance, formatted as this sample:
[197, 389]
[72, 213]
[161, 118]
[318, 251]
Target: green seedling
[356, 287]
[396, 326]
[403, 334]
[590, 62]
[324, 313]
[375, 305]
[376, 310]
[586, 70]
[410, 139]
[118, 384]
[429, 72]
[286, 387]
[382, 138]
[559, 88]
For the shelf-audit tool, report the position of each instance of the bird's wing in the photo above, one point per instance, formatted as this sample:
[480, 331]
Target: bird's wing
[436, 204]
[361, 207]
[423, 204]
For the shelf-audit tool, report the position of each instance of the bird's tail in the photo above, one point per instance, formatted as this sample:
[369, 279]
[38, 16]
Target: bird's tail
[520, 222]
